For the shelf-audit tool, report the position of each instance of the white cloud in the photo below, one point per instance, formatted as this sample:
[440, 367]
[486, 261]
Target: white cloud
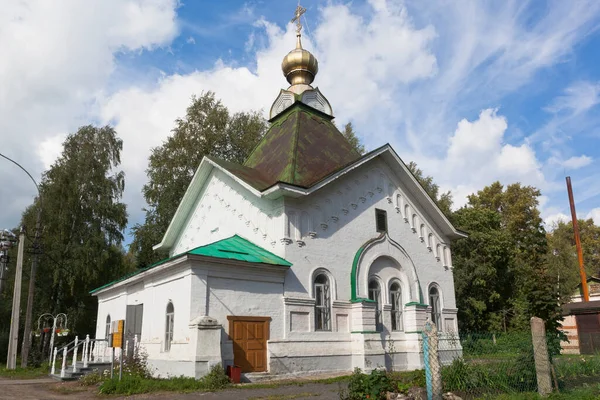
[55, 58]
[407, 73]
[595, 215]
[477, 154]
[577, 162]
[577, 98]
[191, 40]
[552, 220]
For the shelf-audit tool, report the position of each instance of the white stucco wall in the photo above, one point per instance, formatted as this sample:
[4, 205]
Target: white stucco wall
[343, 217]
[322, 231]
[225, 208]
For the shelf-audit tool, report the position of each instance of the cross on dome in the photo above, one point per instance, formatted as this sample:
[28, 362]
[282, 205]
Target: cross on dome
[299, 66]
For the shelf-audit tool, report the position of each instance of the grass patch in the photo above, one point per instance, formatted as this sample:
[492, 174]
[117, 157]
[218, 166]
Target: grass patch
[134, 384]
[68, 389]
[24, 373]
[583, 393]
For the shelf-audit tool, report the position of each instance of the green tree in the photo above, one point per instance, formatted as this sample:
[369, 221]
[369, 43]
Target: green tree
[83, 223]
[533, 289]
[207, 129]
[351, 137]
[443, 200]
[589, 234]
[481, 270]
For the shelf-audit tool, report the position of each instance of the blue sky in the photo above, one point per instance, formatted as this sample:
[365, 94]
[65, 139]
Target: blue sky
[472, 91]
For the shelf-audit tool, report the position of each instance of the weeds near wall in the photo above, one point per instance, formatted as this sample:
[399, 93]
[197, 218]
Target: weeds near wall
[134, 384]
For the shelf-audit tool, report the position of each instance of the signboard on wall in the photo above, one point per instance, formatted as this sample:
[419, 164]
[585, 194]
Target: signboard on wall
[117, 333]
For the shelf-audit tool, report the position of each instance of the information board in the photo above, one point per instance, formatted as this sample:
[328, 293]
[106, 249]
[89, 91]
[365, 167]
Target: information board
[117, 333]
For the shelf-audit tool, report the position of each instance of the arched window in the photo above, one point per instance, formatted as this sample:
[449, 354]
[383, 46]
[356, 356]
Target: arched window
[430, 241]
[107, 327]
[422, 232]
[169, 326]
[322, 290]
[434, 302]
[406, 212]
[414, 222]
[375, 295]
[396, 302]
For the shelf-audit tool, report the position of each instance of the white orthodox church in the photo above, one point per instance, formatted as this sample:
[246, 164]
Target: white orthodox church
[308, 257]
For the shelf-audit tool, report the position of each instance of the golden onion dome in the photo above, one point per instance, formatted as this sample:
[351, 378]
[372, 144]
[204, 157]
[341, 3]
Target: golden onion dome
[299, 66]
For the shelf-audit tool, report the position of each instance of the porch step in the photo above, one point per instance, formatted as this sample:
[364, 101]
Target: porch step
[71, 376]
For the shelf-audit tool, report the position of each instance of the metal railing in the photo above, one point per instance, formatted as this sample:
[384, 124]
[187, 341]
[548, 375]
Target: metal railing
[93, 351]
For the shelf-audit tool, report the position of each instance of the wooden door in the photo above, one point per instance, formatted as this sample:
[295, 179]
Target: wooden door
[133, 324]
[588, 329]
[249, 336]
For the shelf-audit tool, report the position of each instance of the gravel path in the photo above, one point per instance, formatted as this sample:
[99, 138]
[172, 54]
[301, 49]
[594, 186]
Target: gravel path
[48, 389]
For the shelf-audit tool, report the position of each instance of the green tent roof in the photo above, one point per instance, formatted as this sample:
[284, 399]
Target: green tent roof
[233, 248]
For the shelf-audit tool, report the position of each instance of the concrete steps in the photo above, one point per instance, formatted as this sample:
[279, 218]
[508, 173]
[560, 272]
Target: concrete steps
[71, 376]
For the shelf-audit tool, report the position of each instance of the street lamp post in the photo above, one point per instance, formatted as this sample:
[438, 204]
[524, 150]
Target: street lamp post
[36, 252]
[55, 321]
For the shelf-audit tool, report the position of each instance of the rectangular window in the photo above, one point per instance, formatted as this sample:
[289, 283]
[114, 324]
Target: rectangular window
[381, 220]
[322, 307]
[374, 294]
[396, 299]
[169, 331]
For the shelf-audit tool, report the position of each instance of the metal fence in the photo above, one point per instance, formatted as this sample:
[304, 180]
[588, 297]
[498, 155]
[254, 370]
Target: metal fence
[475, 365]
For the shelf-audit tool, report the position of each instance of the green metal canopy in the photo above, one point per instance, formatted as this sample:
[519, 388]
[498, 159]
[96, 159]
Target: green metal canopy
[238, 248]
[233, 248]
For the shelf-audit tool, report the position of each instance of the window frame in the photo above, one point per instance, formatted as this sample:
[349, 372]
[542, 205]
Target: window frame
[435, 301]
[169, 326]
[383, 214]
[107, 327]
[396, 310]
[375, 295]
[322, 296]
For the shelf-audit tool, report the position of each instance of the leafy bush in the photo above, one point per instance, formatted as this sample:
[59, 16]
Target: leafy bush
[215, 379]
[368, 386]
[91, 379]
[408, 378]
[491, 376]
[133, 384]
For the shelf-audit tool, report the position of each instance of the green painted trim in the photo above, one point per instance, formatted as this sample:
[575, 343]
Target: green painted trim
[362, 300]
[365, 332]
[233, 248]
[416, 303]
[353, 277]
[419, 332]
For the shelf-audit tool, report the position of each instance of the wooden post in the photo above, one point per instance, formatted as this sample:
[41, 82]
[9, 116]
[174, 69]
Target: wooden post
[540, 354]
[582, 274]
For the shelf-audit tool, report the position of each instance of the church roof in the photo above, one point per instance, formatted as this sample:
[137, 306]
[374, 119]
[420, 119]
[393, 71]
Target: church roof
[301, 147]
[234, 248]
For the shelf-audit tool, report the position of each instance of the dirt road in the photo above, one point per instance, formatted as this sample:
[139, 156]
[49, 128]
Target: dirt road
[48, 389]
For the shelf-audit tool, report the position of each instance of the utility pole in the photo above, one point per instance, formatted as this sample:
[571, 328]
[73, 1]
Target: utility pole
[582, 274]
[28, 315]
[13, 339]
[7, 240]
[36, 251]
